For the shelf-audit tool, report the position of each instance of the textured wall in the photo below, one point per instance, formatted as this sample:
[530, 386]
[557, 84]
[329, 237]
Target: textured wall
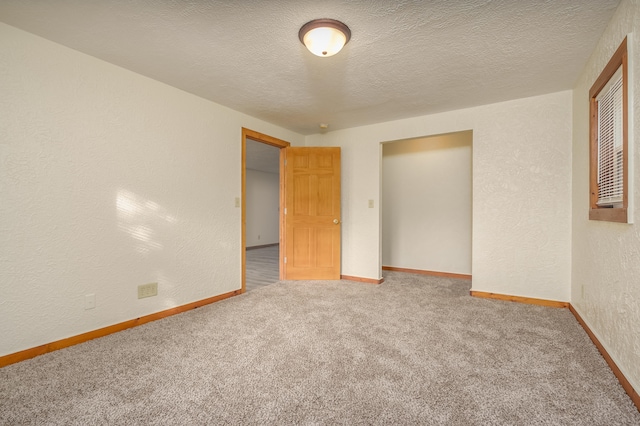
[521, 188]
[109, 180]
[263, 208]
[606, 256]
[426, 203]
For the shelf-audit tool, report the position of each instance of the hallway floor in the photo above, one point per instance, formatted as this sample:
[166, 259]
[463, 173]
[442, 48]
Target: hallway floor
[262, 267]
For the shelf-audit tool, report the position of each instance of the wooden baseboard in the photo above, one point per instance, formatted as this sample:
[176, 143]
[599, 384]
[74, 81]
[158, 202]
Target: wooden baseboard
[262, 246]
[519, 299]
[101, 332]
[362, 280]
[433, 273]
[626, 385]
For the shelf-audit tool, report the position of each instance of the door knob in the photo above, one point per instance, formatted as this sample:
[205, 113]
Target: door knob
[336, 221]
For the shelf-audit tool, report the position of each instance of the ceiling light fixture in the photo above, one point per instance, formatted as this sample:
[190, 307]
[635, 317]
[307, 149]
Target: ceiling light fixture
[324, 37]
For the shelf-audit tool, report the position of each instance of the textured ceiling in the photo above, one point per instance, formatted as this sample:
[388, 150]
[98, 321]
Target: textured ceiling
[405, 58]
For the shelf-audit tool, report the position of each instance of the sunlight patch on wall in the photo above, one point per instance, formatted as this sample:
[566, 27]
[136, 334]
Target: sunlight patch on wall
[141, 219]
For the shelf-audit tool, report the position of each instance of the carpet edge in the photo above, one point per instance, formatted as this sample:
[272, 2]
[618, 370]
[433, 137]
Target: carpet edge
[26, 354]
[624, 382]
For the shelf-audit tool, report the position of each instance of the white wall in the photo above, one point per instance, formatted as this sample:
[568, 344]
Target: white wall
[605, 286]
[521, 187]
[108, 180]
[426, 203]
[263, 208]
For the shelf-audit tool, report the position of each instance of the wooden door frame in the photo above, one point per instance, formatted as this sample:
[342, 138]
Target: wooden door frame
[278, 143]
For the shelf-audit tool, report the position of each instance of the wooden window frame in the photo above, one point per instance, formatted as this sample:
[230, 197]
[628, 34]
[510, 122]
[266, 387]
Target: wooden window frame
[615, 214]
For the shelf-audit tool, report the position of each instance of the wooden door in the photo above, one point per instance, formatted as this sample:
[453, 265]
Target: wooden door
[312, 213]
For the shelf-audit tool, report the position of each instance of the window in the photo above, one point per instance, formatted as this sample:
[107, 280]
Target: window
[608, 141]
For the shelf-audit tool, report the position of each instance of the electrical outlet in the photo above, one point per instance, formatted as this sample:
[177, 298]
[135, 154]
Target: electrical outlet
[89, 301]
[258, 236]
[147, 290]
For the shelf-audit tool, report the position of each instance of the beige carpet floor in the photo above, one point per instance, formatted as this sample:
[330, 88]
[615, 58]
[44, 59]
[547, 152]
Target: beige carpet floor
[414, 350]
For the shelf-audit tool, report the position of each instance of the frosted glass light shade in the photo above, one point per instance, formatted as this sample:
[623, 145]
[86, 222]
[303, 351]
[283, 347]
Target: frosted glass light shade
[324, 37]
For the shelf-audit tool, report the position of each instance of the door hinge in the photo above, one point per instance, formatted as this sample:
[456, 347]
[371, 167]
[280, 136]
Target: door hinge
[285, 259]
[285, 162]
[285, 210]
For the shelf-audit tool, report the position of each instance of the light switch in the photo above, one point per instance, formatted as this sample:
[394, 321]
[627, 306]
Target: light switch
[237, 201]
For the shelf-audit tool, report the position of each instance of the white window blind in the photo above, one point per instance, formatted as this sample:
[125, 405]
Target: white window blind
[610, 183]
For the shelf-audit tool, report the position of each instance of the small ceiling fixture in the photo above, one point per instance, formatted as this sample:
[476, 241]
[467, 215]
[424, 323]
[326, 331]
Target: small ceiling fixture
[324, 37]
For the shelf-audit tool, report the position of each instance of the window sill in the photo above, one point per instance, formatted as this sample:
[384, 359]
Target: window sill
[609, 215]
